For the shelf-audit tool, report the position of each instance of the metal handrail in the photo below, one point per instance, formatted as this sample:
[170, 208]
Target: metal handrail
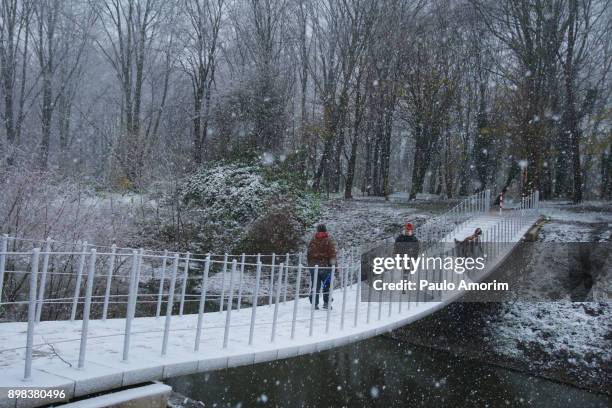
[282, 280]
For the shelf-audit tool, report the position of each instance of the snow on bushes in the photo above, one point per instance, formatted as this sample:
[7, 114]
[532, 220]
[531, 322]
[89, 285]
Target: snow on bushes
[241, 207]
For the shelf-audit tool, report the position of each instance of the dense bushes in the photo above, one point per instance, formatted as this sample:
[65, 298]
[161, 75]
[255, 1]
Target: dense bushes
[242, 207]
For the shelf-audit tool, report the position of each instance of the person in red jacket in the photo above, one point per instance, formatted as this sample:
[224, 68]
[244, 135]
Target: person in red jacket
[321, 252]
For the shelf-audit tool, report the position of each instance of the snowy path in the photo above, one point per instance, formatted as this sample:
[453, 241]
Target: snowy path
[104, 368]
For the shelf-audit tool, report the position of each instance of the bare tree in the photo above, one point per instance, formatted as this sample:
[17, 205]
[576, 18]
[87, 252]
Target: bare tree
[200, 62]
[59, 44]
[344, 30]
[15, 19]
[581, 42]
[130, 28]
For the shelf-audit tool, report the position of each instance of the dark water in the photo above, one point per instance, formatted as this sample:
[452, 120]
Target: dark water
[379, 372]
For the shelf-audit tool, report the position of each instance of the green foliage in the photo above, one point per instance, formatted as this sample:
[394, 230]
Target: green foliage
[237, 206]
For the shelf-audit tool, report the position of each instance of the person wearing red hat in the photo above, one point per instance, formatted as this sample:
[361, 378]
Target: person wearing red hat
[407, 244]
[402, 241]
[408, 235]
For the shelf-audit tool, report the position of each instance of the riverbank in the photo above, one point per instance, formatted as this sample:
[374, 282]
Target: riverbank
[563, 340]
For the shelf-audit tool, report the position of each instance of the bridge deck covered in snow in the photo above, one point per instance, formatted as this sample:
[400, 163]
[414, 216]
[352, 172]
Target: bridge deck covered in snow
[83, 357]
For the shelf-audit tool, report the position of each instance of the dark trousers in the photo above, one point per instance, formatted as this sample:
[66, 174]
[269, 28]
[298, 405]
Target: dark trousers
[323, 281]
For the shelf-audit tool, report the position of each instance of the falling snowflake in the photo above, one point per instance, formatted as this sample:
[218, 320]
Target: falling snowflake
[267, 159]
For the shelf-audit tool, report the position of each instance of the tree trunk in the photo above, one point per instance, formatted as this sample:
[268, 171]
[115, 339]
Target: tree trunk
[197, 120]
[350, 174]
[570, 104]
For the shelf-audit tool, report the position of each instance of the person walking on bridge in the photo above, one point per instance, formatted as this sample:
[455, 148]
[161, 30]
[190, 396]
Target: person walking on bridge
[406, 237]
[321, 252]
[406, 244]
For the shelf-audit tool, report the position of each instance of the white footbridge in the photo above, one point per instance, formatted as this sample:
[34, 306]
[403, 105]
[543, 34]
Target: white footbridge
[83, 319]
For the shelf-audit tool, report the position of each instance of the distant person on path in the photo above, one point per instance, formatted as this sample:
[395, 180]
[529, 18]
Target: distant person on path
[407, 235]
[321, 252]
[406, 244]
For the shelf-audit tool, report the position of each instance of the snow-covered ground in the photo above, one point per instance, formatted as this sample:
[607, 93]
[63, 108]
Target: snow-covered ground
[366, 219]
[570, 337]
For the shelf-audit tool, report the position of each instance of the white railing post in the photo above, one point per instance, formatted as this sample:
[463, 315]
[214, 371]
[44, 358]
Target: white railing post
[3, 251]
[170, 305]
[128, 315]
[137, 284]
[278, 295]
[357, 293]
[349, 273]
[223, 271]
[203, 302]
[401, 299]
[313, 299]
[87, 308]
[109, 277]
[240, 282]
[286, 278]
[380, 295]
[296, 299]
[230, 300]
[31, 315]
[369, 303]
[341, 278]
[344, 289]
[77, 286]
[160, 292]
[43, 279]
[330, 294]
[271, 284]
[184, 287]
[255, 296]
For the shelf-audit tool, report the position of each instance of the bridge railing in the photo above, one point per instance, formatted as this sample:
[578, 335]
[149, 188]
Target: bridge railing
[93, 283]
[495, 243]
[439, 226]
